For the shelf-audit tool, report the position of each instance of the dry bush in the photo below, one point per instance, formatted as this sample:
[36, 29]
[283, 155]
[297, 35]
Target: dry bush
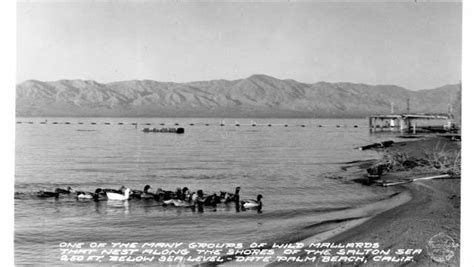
[444, 162]
[438, 161]
[398, 161]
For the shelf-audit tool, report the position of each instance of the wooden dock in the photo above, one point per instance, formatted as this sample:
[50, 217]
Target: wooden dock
[407, 122]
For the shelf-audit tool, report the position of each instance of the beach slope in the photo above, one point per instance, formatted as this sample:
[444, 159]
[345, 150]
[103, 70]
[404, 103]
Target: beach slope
[433, 209]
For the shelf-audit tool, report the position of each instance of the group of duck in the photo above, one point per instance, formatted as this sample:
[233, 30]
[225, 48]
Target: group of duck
[179, 198]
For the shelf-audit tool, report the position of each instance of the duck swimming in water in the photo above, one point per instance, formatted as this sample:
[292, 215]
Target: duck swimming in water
[88, 195]
[186, 194]
[64, 191]
[251, 203]
[147, 194]
[119, 196]
[162, 195]
[100, 194]
[211, 200]
[195, 199]
[137, 194]
[119, 191]
[84, 195]
[45, 194]
[178, 194]
[226, 197]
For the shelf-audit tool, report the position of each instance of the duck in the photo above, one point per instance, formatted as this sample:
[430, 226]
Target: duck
[100, 194]
[147, 194]
[178, 194]
[119, 191]
[45, 194]
[162, 195]
[200, 199]
[182, 198]
[251, 203]
[64, 191]
[136, 194]
[193, 200]
[210, 200]
[226, 197]
[186, 194]
[119, 196]
[88, 195]
[84, 195]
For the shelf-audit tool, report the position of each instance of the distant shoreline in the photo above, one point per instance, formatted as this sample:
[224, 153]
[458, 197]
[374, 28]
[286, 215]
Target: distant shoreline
[258, 96]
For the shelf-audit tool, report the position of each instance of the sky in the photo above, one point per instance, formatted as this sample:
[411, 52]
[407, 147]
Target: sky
[414, 45]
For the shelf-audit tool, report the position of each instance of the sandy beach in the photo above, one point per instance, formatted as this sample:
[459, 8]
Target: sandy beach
[434, 208]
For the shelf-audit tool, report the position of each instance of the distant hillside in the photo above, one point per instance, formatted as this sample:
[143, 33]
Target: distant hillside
[255, 96]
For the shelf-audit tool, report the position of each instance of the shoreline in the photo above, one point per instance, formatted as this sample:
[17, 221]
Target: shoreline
[434, 208]
[412, 224]
[342, 221]
[429, 207]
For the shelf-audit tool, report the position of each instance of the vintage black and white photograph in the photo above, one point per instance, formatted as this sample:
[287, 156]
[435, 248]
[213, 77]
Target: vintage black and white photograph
[283, 133]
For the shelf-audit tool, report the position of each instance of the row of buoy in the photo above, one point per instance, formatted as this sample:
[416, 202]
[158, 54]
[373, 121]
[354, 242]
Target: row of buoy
[190, 124]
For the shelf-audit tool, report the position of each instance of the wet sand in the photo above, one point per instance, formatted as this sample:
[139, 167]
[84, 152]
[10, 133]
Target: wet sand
[434, 208]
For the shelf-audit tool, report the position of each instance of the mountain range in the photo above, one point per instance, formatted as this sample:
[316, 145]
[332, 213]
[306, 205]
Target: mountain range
[255, 96]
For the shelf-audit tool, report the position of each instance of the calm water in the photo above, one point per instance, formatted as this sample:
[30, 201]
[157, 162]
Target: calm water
[289, 166]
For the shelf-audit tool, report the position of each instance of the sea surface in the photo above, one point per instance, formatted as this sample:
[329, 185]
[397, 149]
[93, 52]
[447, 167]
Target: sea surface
[295, 168]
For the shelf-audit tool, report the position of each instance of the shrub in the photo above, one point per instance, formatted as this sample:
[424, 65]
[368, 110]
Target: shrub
[444, 162]
[439, 161]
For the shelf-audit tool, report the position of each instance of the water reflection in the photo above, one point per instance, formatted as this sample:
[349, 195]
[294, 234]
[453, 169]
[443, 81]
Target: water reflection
[149, 205]
[118, 206]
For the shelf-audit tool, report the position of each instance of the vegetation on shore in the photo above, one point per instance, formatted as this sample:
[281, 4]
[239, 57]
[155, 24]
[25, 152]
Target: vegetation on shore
[439, 161]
